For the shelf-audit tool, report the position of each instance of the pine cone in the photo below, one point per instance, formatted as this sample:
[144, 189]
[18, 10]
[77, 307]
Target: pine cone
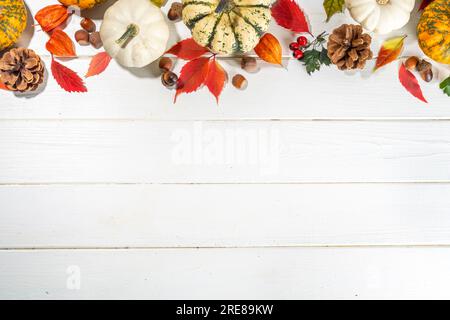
[21, 70]
[349, 47]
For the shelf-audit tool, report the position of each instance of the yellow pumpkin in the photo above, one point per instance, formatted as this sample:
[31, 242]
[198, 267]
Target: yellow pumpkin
[13, 20]
[82, 4]
[433, 31]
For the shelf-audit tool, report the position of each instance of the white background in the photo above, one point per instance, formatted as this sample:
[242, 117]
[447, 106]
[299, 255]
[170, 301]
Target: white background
[93, 203]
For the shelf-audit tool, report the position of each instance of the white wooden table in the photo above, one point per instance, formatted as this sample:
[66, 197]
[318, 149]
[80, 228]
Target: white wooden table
[118, 193]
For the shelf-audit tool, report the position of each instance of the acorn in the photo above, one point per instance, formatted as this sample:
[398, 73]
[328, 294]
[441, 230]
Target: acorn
[175, 12]
[411, 63]
[165, 64]
[88, 25]
[96, 40]
[239, 82]
[169, 79]
[82, 37]
[249, 64]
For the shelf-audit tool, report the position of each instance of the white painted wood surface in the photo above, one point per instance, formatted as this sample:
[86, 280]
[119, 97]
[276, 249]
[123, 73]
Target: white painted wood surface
[123, 184]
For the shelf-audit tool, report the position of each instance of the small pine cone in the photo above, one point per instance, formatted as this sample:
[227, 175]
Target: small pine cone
[349, 47]
[21, 70]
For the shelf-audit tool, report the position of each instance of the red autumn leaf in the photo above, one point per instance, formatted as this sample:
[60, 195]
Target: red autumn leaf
[425, 4]
[61, 45]
[187, 49]
[288, 14]
[98, 64]
[52, 16]
[215, 81]
[66, 78]
[192, 76]
[3, 87]
[409, 81]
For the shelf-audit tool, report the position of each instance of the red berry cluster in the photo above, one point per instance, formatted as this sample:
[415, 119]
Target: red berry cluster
[296, 47]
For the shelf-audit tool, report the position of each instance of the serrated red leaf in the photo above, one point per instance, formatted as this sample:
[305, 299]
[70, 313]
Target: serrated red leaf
[215, 81]
[187, 49]
[425, 4]
[3, 87]
[409, 81]
[60, 45]
[288, 14]
[66, 78]
[192, 76]
[52, 16]
[98, 64]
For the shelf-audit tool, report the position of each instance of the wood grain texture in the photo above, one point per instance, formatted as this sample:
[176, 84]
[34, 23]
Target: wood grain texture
[113, 216]
[284, 273]
[223, 152]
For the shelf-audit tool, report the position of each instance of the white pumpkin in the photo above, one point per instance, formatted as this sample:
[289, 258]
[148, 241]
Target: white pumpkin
[381, 16]
[134, 32]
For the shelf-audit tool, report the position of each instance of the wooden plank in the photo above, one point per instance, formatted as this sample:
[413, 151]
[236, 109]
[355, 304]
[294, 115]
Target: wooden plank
[273, 93]
[283, 273]
[223, 215]
[223, 152]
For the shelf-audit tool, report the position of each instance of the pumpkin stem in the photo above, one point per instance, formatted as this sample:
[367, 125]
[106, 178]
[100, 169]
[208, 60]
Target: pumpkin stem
[131, 32]
[224, 5]
[383, 2]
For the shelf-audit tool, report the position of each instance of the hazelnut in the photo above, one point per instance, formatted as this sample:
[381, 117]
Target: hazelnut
[239, 82]
[169, 79]
[165, 64]
[411, 63]
[423, 65]
[96, 40]
[249, 64]
[175, 12]
[427, 75]
[88, 25]
[82, 37]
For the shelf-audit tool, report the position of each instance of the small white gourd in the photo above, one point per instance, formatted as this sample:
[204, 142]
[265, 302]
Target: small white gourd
[134, 32]
[381, 16]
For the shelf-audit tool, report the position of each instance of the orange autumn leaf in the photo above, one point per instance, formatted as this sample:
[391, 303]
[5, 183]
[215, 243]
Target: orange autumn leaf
[98, 64]
[390, 50]
[61, 45]
[52, 16]
[269, 49]
[216, 78]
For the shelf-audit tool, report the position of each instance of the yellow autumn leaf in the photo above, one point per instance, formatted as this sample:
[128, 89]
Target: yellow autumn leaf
[389, 51]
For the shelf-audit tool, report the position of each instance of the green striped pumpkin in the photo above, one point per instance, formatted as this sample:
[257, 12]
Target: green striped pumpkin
[13, 20]
[227, 26]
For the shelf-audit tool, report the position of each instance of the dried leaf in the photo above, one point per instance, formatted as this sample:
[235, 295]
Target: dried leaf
[66, 78]
[215, 81]
[332, 7]
[61, 45]
[425, 4]
[52, 16]
[445, 86]
[192, 76]
[288, 14]
[269, 49]
[187, 49]
[409, 81]
[390, 50]
[98, 64]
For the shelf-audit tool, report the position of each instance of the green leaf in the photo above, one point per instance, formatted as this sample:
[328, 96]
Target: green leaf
[313, 60]
[445, 86]
[332, 7]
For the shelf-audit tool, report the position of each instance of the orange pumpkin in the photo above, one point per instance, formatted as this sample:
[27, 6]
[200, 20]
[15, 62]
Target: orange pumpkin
[82, 4]
[433, 31]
